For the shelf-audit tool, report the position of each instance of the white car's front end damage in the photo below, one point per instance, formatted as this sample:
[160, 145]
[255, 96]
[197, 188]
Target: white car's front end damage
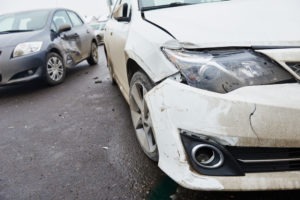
[255, 117]
[230, 121]
[225, 103]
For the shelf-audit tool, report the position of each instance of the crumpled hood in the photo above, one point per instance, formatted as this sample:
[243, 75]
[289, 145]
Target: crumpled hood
[233, 23]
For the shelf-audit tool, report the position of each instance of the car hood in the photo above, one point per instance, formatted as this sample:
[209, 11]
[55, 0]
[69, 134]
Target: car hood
[13, 39]
[232, 23]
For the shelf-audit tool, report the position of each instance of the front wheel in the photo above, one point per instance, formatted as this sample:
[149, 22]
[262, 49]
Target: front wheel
[93, 58]
[139, 86]
[55, 71]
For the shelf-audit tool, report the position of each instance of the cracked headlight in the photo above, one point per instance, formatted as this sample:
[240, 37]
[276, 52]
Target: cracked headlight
[27, 48]
[226, 70]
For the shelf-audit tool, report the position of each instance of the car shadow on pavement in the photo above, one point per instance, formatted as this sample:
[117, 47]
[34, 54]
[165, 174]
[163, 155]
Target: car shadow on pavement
[21, 89]
[39, 85]
[257, 195]
[167, 189]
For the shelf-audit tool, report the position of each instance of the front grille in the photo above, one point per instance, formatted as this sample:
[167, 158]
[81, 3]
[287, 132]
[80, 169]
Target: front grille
[264, 159]
[295, 66]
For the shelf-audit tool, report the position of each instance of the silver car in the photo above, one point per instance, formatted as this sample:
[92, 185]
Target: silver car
[42, 44]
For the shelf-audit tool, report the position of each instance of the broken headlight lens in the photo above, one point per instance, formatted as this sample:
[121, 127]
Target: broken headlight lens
[223, 71]
[27, 48]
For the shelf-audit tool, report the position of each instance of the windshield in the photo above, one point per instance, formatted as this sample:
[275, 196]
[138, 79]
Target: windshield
[156, 4]
[23, 21]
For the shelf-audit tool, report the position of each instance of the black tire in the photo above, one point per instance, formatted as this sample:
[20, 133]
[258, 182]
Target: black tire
[55, 70]
[140, 84]
[93, 58]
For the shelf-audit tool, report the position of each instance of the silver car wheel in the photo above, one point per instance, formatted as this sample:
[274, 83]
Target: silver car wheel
[95, 52]
[55, 69]
[93, 57]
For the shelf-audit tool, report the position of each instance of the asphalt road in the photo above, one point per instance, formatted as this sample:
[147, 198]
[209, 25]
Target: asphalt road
[76, 141]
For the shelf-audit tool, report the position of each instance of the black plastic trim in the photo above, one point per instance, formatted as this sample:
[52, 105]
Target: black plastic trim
[265, 158]
[230, 167]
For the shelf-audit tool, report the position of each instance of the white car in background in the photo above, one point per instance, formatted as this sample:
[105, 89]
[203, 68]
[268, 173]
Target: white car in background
[213, 88]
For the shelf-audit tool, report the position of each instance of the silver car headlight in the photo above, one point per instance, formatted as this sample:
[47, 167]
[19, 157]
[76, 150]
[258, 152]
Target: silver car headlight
[225, 70]
[27, 48]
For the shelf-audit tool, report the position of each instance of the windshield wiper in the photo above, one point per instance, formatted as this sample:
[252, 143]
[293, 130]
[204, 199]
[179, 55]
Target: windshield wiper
[174, 4]
[16, 31]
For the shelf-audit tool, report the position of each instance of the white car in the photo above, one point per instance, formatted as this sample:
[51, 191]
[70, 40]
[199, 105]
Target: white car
[213, 88]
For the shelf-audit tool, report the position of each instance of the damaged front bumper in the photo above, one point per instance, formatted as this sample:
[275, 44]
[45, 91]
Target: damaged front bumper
[256, 117]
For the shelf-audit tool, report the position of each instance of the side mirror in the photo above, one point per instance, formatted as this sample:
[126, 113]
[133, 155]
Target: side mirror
[121, 13]
[63, 28]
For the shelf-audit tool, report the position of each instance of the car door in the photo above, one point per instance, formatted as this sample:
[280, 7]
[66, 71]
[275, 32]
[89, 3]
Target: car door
[70, 40]
[84, 33]
[116, 36]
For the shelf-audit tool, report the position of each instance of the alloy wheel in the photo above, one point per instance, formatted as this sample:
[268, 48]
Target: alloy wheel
[55, 68]
[142, 120]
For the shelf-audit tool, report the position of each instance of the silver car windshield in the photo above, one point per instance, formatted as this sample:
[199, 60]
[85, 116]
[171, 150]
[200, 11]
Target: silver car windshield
[157, 4]
[23, 21]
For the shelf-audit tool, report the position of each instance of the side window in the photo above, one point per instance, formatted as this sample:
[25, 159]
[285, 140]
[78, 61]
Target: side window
[60, 18]
[76, 20]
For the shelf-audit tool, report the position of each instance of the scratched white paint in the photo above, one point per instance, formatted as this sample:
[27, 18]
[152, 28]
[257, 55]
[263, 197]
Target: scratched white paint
[225, 117]
[249, 116]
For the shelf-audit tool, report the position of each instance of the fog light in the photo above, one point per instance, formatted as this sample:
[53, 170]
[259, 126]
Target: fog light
[207, 156]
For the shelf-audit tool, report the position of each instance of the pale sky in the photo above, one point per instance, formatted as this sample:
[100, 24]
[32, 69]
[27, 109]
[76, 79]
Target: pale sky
[83, 7]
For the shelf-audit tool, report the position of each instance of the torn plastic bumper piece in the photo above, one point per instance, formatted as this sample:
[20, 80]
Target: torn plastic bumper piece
[256, 118]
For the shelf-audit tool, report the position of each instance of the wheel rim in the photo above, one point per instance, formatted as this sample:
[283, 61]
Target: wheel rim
[141, 118]
[94, 52]
[55, 68]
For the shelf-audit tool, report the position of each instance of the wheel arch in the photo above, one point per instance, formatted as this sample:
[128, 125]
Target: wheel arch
[132, 67]
[55, 50]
